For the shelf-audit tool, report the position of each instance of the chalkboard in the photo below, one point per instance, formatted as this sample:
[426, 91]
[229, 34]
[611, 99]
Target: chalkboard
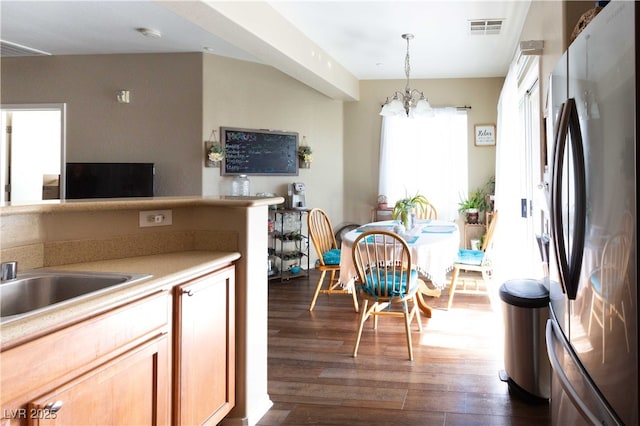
[259, 152]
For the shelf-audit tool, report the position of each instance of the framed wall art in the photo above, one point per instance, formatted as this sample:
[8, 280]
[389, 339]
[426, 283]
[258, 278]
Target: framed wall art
[485, 134]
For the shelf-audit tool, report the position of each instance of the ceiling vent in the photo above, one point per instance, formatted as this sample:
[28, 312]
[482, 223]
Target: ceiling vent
[485, 26]
[8, 48]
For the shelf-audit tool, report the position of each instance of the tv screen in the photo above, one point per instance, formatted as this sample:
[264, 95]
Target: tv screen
[109, 180]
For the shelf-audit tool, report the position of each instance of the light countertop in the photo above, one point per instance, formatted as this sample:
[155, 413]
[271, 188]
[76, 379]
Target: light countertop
[135, 203]
[167, 270]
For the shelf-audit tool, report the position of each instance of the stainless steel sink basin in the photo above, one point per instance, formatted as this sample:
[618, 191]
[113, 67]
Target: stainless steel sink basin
[36, 291]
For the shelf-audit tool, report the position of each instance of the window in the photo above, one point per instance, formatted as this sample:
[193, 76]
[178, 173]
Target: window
[426, 156]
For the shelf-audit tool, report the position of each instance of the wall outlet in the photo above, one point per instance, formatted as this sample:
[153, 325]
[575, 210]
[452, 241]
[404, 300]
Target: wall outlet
[155, 218]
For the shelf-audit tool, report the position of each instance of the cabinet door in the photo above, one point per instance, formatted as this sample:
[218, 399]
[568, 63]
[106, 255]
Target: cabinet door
[131, 389]
[472, 232]
[204, 349]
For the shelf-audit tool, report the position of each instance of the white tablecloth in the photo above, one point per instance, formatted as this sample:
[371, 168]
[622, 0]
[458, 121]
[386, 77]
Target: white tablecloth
[434, 247]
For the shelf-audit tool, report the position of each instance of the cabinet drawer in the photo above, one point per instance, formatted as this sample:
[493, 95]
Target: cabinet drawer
[128, 390]
[56, 358]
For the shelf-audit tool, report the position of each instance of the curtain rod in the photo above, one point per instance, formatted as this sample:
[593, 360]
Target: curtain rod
[464, 107]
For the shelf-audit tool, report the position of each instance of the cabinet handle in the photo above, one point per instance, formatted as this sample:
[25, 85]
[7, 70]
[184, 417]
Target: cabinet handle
[53, 407]
[188, 292]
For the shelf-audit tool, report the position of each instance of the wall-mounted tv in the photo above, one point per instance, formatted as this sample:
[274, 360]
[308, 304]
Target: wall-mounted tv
[259, 152]
[109, 180]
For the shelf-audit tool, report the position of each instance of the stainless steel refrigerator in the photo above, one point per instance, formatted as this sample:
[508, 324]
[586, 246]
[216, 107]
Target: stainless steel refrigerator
[592, 336]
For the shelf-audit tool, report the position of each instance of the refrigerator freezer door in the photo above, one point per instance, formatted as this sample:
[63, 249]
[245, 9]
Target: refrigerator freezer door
[602, 79]
[576, 399]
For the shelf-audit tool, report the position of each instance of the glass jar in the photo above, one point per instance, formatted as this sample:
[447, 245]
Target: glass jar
[240, 186]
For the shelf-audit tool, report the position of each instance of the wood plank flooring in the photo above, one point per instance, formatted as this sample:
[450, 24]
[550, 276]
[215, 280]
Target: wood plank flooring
[453, 380]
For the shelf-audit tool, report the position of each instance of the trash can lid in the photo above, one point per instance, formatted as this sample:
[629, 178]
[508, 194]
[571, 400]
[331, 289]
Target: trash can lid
[527, 293]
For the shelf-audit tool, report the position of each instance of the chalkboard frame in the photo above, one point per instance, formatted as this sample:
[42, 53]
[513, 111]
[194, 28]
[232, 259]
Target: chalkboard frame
[256, 165]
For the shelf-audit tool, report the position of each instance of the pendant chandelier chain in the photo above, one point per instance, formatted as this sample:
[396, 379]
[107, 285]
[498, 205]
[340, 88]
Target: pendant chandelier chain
[407, 61]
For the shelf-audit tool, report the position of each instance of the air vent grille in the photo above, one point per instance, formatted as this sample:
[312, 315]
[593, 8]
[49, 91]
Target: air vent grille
[485, 26]
[8, 48]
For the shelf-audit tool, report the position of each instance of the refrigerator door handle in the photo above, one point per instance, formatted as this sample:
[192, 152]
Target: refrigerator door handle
[569, 268]
[580, 197]
[560, 136]
[552, 333]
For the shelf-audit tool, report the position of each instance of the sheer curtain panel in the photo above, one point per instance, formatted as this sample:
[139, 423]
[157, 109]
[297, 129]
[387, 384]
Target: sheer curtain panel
[425, 155]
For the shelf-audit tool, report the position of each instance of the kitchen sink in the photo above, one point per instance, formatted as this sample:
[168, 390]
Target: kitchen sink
[36, 291]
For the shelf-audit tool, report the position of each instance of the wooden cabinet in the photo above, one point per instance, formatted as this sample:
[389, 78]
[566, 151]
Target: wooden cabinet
[132, 364]
[472, 232]
[110, 369]
[378, 214]
[125, 391]
[204, 349]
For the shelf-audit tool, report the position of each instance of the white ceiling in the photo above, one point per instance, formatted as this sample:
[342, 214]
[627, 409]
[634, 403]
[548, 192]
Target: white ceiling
[363, 37]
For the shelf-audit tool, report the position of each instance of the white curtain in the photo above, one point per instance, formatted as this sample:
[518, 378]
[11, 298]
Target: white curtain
[427, 156]
[508, 180]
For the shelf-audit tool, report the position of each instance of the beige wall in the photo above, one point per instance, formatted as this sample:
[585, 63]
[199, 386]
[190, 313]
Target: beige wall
[249, 95]
[162, 124]
[362, 133]
[177, 99]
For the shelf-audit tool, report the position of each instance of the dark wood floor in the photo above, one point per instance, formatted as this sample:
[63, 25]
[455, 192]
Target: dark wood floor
[453, 380]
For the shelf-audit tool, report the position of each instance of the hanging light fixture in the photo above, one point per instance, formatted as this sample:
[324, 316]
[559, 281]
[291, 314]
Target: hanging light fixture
[411, 103]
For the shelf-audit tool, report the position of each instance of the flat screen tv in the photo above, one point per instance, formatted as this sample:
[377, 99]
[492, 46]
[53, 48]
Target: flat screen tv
[109, 180]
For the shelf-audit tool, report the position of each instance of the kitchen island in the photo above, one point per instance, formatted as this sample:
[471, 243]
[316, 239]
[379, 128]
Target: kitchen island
[205, 232]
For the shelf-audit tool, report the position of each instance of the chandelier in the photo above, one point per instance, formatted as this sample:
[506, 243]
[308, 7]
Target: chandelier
[411, 102]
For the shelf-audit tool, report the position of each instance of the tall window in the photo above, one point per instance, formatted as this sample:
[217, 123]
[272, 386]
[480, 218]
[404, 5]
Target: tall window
[518, 172]
[426, 156]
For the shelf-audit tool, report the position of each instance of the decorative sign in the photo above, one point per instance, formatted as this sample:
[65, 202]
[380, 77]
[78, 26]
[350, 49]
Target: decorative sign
[259, 152]
[485, 135]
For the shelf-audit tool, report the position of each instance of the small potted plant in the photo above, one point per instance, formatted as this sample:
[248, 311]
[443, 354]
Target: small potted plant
[382, 202]
[215, 151]
[473, 205]
[405, 207]
[304, 155]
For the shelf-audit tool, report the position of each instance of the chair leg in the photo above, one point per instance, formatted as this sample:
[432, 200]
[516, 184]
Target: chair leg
[416, 308]
[318, 287]
[407, 327]
[375, 307]
[355, 301]
[332, 280]
[452, 287]
[363, 318]
[354, 294]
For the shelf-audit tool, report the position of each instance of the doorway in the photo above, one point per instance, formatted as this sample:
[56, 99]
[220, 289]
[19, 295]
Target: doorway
[32, 152]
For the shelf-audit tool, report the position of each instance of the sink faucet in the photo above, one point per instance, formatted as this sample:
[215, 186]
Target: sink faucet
[9, 270]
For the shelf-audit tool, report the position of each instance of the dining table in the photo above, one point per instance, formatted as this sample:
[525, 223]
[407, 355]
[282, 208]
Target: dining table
[434, 247]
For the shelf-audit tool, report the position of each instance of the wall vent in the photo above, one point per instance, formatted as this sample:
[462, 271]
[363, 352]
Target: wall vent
[8, 48]
[485, 26]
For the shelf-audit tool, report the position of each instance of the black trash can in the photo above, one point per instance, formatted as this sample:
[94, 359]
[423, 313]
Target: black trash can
[526, 310]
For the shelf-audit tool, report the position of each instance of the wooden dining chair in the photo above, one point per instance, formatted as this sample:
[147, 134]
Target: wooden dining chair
[607, 285]
[324, 243]
[476, 265]
[385, 276]
[429, 212]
